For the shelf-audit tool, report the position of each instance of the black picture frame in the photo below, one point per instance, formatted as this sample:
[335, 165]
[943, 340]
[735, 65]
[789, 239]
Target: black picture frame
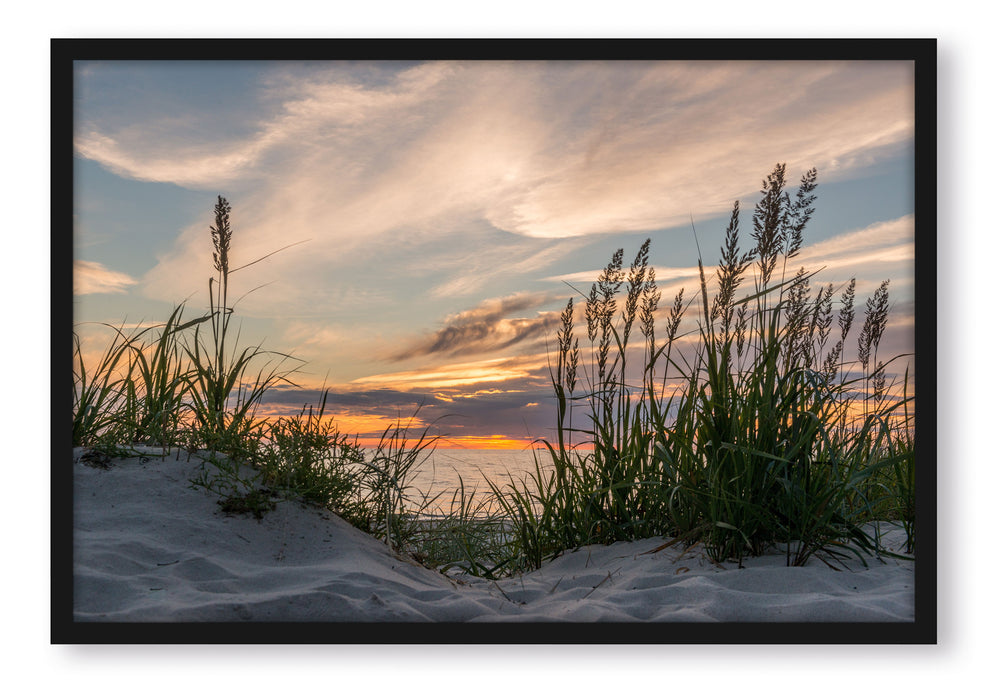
[65, 51]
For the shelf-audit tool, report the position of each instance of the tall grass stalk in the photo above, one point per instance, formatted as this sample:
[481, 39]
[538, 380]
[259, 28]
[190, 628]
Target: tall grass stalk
[222, 395]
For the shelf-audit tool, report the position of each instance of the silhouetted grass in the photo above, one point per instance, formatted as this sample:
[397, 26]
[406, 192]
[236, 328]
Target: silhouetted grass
[190, 385]
[767, 438]
[746, 431]
[98, 392]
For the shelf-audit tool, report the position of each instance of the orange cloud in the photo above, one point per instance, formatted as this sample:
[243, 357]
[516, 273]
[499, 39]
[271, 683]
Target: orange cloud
[462, 374]
[365, 428]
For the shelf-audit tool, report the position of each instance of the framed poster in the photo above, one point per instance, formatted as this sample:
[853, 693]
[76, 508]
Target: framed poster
[579, 341]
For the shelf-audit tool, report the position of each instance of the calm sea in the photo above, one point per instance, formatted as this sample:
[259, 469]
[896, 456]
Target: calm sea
[439, 474]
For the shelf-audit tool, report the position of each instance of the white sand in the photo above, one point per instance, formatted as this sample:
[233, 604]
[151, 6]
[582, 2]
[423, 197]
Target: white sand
[147, 547]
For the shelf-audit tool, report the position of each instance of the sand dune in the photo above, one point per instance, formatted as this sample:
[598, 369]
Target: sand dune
[147, 547]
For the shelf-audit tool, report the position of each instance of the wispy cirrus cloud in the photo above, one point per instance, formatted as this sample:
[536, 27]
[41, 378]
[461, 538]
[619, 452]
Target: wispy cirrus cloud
[538, 150]
[884, 241]
[662, 275]
[885, 244]
[94, 278]
[884, 250]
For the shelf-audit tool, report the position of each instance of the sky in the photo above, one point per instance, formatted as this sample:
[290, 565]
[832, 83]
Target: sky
[441, 214]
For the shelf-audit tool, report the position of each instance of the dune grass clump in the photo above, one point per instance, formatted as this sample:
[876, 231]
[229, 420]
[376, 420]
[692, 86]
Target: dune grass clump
[467, 535]
[308, 456]
[160, 386]
[745, 432]
[136, 393]
[190, 384]
[97, 393]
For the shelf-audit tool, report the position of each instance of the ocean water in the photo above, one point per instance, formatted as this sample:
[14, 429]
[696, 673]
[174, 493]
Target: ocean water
[439, 474]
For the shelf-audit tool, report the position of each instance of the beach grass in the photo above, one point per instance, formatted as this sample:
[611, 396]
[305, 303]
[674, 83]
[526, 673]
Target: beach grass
[742, 426]
[758, 434]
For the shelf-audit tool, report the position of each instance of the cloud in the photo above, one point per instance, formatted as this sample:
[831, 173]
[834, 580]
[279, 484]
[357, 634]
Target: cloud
[882, 247]
[203, 166]
[485, 328]
[94, 278]
[488, 372]
[538, 150]
[884, 241]
[467, 274]
[662, 274]
[468, 417]
[884, 250]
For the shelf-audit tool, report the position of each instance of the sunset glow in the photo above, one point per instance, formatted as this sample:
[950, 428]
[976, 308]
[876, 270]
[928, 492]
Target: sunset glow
[485, 442]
